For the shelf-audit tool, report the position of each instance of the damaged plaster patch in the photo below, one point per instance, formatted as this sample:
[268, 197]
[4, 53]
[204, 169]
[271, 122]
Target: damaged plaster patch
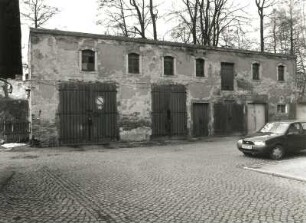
[67, 44]
[138, 134]
[244, 84]
[38, 54]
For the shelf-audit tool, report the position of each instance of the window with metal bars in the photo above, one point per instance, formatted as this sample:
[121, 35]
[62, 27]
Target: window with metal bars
[168, 65]
[88, 60]
[200, 63]
[133, 63]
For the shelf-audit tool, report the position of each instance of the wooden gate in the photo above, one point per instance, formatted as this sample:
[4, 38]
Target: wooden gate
[228, 118]
[169, 116]
[88, 113]
[200, 117]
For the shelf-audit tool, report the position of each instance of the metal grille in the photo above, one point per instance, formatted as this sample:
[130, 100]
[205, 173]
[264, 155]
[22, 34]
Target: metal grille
[15, 131]
[88, 113]
[169, 116]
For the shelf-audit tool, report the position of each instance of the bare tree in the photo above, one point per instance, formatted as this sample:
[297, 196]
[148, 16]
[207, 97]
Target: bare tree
[141, 14]
[117, 13]
[207, 20]
[130, 17]
[38, 12]
[261, 6]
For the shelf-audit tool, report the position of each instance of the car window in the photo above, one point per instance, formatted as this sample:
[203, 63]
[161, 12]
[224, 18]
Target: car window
[294, 129]
[275, 127]
[303, 125]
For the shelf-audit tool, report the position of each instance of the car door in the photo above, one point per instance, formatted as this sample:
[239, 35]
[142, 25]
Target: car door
[303, 136]
[295, 137]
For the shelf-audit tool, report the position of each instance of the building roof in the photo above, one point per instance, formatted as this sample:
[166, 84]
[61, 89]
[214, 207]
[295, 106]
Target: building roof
[153, 42]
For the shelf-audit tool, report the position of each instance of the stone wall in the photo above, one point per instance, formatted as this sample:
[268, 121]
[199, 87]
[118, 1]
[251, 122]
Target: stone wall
[55, 58]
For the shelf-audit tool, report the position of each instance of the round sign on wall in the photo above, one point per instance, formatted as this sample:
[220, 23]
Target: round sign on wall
[100, 102]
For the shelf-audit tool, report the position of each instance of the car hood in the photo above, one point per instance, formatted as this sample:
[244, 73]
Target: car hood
[261, 136]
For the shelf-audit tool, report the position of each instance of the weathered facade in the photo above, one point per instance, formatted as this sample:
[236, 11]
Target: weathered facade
[88, 88]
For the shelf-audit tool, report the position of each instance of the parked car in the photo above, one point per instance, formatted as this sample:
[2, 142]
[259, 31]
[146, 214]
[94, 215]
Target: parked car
[275, 139]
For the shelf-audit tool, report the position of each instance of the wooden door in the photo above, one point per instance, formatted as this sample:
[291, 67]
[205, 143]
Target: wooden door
[200, 117]
[87, 113]
[301, 112]
[228, 118]
[169, 116]
[227, 76]
[256, 117]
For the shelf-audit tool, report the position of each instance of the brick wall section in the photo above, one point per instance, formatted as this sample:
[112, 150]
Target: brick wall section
[55, 58]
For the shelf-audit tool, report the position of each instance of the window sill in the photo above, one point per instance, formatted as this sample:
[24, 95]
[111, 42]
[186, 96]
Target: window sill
[89, 72]
[165, 75]
[133, 73]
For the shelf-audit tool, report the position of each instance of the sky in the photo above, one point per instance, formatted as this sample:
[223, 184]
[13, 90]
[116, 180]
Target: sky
[81, 15]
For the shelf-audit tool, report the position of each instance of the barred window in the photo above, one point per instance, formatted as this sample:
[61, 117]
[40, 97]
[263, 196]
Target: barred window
[168, 65]
[88, 60]
[281, 73]
[133, 63]
[255, 71]
[200, 63]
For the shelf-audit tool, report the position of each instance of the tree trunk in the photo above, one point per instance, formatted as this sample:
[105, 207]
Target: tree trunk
[153, 17]
[262, 43]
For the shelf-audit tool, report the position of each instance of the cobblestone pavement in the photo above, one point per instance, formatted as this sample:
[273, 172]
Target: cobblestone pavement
[196, 182]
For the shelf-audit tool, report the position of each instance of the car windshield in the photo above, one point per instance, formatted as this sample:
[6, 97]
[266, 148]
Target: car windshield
[275, 127]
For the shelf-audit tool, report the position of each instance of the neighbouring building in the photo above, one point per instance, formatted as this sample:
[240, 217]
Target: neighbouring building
[88, 88]
[14, 106]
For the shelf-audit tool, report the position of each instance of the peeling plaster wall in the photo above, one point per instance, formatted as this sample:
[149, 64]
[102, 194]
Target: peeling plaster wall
[55, 58]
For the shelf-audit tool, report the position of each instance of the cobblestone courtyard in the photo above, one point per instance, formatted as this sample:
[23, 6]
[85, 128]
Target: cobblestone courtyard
[196, 182]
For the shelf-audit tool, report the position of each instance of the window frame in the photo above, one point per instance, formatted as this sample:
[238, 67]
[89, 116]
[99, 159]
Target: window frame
[173, 66]
[128, 63]
[278, 73]
[81, 60]
[258, 70]
[196, 67]
[282, 109]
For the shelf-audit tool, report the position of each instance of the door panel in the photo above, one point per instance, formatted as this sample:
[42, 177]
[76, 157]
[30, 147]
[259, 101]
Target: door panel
[200, 119]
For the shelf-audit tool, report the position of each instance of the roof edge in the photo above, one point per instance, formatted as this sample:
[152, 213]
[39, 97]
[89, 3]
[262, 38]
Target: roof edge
[152, 42]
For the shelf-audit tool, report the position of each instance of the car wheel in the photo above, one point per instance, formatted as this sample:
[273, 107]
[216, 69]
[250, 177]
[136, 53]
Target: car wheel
[277, 153]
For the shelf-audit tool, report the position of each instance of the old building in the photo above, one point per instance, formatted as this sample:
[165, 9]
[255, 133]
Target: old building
[88, 88]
